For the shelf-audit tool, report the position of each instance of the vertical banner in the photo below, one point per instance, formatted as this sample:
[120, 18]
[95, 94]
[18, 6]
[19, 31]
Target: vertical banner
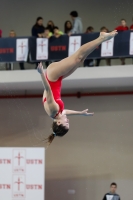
[22, 173]
[107, 48]
[74, 44]
[41, 48]
[131, 44]
[21, 49]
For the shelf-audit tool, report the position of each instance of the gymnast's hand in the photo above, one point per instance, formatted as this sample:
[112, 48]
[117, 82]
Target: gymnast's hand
[40, 68]
[85, 113]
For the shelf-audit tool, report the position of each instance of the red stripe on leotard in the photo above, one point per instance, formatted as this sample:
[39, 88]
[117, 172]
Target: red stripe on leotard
[56, 90]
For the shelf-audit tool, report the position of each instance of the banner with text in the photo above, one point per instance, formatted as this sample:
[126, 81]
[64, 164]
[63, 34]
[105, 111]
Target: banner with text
[22, 49]
[107, 48]
[42, 49]
[22, 173]
[131, 44]
[74, 44]
[56, 49]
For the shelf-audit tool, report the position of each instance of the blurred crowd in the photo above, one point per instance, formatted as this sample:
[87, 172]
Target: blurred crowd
[74, 26]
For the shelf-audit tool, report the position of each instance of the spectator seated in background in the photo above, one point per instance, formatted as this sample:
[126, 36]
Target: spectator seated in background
[89, 62]
[0, 33]
[67, 27]
[123, 26]
[47, 33]
[57, 32]
[77, 23]
[108, 60]
[38, 28]
[90, 29]
[131, 27]
[12, 34]
[51, 26]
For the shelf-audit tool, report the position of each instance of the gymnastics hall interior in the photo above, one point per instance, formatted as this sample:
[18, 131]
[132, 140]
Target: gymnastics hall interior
[96, 151]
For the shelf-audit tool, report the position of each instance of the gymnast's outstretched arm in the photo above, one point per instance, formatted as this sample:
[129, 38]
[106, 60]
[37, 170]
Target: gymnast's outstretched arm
[43, 77]
[73, 112]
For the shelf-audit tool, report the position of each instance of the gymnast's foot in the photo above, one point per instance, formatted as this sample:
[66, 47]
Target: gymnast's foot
[108, 36]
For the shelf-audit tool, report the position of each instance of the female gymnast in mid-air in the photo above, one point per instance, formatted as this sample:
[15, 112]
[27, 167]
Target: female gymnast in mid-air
[52, 80]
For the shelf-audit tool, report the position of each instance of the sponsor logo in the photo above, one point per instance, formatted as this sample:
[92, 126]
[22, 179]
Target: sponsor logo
[6, 50]
[58, 48]
[19, 159]
[18, 186]
[5, 186]
[34, 161]
[5, 161]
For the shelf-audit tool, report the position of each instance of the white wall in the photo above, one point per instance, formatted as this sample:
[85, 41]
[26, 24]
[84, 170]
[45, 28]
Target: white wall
[84, 80]
[21, 15]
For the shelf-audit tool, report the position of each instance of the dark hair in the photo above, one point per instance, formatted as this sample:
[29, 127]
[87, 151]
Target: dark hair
[47, 28]
[66, 29]
[74, 13]
[90, 28]
[113, 184]
[38, 18]
[50, 26]
[56, 27]
[103, 27]
[58, 130]
[50, 22]
[123, 20]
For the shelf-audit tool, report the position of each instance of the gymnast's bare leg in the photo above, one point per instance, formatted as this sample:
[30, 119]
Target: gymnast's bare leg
[68, 65]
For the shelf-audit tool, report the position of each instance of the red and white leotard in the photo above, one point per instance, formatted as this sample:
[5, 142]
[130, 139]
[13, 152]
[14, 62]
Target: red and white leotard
[56, 90]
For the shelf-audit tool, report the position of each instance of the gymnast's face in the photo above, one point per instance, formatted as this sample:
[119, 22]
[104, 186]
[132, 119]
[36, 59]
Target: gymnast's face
[64, 121]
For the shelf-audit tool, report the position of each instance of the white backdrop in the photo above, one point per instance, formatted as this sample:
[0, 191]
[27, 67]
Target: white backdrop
[22, 173]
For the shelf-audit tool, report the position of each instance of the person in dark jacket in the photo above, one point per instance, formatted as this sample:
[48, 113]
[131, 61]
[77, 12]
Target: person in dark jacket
[38, 28]
[112, 194]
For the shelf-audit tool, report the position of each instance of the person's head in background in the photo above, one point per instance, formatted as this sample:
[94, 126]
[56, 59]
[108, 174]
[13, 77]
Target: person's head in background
[56, 31]
[73, 14]
[47, 33]
[39, 21]
[113, 187]
[103, 29]
[90, 29]
[12, 33]
[50, 25]
[67, 26]
[123, 22]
